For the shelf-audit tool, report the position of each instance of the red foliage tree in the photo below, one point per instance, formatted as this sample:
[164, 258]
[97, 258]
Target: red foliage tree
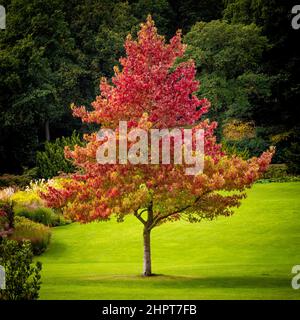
[151, 91]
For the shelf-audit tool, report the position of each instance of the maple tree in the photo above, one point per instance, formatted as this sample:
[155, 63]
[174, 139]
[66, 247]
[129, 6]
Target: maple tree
[152, 91]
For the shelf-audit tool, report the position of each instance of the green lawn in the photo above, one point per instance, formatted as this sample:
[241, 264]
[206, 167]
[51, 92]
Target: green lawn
[247, 256]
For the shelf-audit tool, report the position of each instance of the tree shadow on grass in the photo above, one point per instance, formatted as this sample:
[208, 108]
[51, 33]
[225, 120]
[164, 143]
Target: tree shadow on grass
[224, 282]
[186, 282]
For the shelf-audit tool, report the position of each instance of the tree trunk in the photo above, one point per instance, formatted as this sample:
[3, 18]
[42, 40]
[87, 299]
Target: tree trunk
[47, 130]
[147, 253]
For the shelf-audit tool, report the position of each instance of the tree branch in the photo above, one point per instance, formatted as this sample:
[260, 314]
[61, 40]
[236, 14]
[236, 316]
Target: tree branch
[157, 219]
[138, 215]
[142, 211]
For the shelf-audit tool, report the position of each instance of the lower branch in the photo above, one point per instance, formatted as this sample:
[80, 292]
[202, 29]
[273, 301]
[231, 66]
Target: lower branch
[158, 218]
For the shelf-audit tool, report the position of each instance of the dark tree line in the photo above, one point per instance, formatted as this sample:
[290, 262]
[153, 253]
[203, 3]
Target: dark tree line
[53, 53]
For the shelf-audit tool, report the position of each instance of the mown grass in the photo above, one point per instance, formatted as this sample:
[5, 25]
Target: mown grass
[247, 256]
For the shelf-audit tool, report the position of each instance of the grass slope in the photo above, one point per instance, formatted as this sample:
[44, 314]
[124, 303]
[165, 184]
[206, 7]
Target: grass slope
[247, 256]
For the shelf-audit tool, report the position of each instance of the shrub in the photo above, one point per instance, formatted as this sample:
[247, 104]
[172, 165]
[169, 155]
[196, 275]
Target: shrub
[236, 130]
[52, 161]
[276, 171]
[22, 277]
[29, 204]
[232, 149]
[10, 180]
[28, 198]
[38, 234]
[40, 215]
[6, 194]
[6, 218]
[21, 181]
[254, 146]
[292, 158]
[43, 215]
[61, 220]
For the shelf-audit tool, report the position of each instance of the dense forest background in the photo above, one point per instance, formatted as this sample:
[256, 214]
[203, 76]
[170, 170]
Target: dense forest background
[53, 53]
